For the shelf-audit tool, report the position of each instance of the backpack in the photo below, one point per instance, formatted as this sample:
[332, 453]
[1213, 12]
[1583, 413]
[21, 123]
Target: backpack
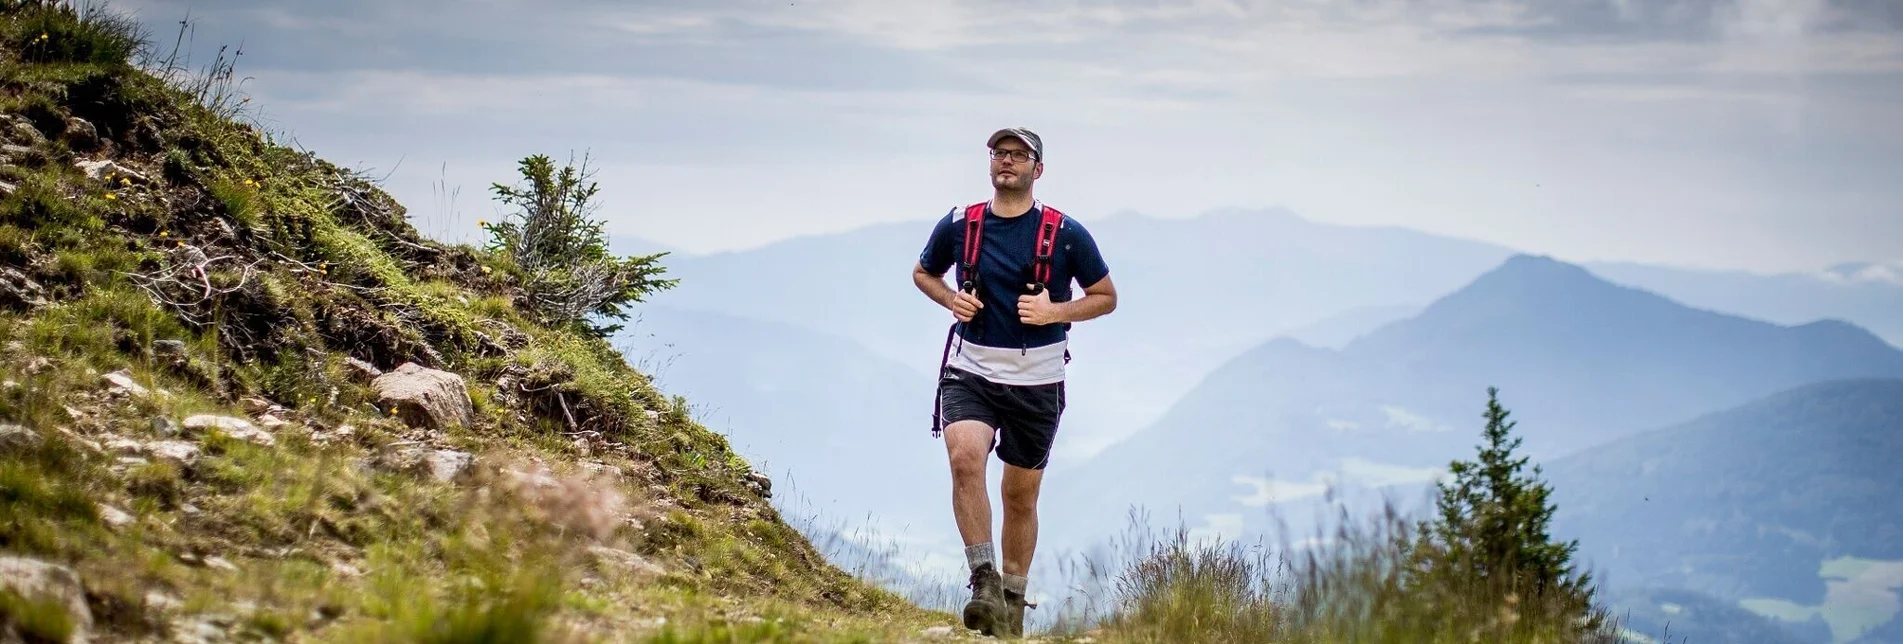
[1051, 220]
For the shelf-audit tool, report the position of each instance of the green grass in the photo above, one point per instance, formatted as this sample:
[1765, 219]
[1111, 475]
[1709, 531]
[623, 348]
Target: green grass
[35, 620]
[1344, 585]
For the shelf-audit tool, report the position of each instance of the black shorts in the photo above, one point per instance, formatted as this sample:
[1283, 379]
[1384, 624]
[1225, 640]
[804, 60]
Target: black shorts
[1025, 416]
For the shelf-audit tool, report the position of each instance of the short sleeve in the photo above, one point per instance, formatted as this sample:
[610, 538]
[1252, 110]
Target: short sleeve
[940, 247]
[1086, 261]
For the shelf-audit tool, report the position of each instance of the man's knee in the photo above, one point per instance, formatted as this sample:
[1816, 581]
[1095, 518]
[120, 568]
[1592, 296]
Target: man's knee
[1020, 492]
[969, 446]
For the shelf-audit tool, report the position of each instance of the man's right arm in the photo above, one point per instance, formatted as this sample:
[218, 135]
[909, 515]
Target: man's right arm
[933, 286]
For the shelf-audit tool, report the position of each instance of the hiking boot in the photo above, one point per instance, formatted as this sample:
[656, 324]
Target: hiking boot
[985, 612]
[1014, 606]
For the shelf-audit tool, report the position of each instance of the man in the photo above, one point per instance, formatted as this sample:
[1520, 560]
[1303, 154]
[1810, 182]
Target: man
[1003, 386]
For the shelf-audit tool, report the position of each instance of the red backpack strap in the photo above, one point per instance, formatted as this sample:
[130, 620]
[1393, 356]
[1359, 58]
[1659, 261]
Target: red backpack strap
[974, 236]
[1046, 247]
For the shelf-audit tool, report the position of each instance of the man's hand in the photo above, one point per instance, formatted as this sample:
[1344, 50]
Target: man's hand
[964, 306]
[1037, 310]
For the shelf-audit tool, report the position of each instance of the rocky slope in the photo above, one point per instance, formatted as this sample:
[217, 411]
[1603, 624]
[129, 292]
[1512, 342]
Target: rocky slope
[241, 397]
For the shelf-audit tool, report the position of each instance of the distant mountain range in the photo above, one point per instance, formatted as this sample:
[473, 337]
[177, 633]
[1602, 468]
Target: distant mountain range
[1868, 293]
[1198, 292]
[1788, 503]
[1580, 361]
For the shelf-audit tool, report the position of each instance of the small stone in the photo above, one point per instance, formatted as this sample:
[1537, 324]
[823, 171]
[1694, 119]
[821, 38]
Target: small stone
[220, 563]
[238, 428]
[124, 446]
[80, 134]
[121, 381]
[115, 517]
[20, 292]
[24, 131]
[603, 469]
[100, 170]
[165, 426]
[271, 421]
[938, 632]
[38, 365]
[161, 601]
[363, 371]
[15, 150]
[16, 437]
[256, 405]
[188, 509]
[627, 560]
[7, 188]
[178, 452]
[169, 347]
[759, 482]
[345, 569]
[447, 465]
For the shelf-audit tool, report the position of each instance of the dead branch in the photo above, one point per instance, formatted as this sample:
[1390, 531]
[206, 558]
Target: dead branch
[183, 283]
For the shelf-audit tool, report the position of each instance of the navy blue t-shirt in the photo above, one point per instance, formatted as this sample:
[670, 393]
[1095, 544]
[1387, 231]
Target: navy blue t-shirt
[1005, 272]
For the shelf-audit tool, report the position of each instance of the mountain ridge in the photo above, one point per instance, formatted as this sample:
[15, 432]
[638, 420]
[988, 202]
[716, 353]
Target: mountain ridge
[1579, 359]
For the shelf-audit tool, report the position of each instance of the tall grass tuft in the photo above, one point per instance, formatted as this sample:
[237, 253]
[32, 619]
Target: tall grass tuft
[1360, 581]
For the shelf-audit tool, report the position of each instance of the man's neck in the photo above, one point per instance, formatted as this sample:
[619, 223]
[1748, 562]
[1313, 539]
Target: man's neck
[1011, 204]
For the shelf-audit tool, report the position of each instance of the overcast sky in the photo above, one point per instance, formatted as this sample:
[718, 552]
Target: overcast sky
[1755, 134]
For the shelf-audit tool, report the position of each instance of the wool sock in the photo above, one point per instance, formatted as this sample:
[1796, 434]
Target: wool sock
[1015, 583]
[979, 555]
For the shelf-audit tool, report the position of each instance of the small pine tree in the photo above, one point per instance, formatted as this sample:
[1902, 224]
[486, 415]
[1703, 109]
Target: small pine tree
[562, 255]
[1491, 532]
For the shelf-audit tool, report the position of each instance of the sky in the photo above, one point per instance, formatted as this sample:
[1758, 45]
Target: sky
[1733, 134]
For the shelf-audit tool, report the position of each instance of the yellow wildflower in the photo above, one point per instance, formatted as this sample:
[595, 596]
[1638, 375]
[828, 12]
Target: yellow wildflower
[111, 196]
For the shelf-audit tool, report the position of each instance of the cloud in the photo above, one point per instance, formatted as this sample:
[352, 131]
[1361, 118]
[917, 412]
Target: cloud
[1353, 472]
[1400, 418]
[1442, 115]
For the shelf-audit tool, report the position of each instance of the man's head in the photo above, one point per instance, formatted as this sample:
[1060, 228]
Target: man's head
[1017, 159]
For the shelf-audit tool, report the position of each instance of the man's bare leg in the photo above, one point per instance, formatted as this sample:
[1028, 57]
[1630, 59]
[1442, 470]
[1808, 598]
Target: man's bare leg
[968, 445]
[1020, 518]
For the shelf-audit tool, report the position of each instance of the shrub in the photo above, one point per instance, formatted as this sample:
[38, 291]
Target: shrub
[53, 31]
[559, 251]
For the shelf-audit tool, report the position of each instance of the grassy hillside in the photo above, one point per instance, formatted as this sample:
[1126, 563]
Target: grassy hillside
[192, 320]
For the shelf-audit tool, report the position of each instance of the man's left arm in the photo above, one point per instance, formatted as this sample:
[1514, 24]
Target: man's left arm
[1099, 300]
[1093, 273]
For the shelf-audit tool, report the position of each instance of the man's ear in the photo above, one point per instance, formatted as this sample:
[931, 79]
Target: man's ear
[1038, 171]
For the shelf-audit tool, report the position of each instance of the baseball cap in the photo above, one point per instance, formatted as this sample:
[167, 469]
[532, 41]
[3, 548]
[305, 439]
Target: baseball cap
[1028, 137]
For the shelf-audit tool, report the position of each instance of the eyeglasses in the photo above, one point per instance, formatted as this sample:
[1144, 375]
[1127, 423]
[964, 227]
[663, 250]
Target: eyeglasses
[1019, 156]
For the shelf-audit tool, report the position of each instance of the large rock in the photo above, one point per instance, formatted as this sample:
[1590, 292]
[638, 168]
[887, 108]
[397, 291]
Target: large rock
[424, 397]
[37, 580]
